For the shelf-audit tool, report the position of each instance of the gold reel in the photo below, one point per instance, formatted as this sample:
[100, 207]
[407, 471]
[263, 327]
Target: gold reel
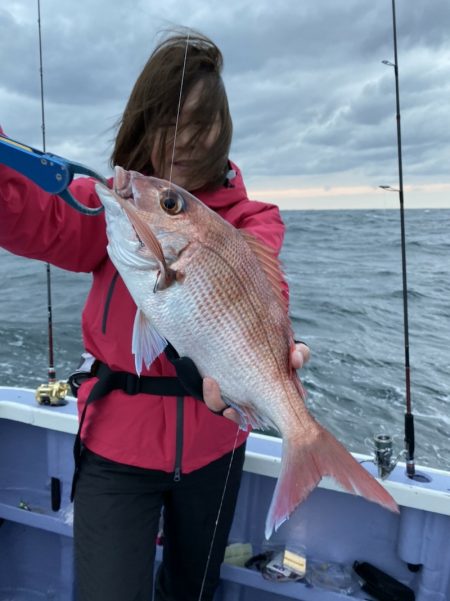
[52, 393]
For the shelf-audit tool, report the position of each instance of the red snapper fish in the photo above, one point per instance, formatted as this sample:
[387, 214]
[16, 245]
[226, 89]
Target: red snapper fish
[214, 292]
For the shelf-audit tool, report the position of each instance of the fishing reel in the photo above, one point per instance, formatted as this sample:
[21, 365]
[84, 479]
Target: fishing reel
[52, 393]
[383, 450]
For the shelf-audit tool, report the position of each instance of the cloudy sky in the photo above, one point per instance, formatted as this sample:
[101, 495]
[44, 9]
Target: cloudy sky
[312, 104]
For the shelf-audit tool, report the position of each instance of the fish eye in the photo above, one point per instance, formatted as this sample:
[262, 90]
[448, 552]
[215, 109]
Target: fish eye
[172, 202]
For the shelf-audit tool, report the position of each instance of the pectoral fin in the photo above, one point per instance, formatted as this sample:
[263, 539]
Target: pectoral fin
[147, 342]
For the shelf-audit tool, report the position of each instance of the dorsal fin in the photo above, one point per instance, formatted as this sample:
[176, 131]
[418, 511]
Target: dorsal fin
[270, 264]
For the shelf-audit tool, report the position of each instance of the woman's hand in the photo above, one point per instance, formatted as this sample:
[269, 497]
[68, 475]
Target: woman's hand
[300, 355]
[211, 391]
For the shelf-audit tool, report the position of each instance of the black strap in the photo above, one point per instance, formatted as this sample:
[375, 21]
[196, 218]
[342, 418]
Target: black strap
[187, 383]
[187, 373]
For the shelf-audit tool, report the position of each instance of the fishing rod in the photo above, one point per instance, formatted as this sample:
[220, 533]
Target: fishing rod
[383, 443]
[51, 364]
[54, 392]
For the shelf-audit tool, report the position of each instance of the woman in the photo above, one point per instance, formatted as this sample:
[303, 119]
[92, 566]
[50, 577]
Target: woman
[145, 448]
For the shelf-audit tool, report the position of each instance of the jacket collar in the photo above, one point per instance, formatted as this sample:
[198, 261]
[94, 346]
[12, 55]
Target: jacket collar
[228, 194]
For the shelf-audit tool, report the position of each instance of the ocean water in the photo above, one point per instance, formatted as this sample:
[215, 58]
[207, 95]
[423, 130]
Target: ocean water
[344, 272]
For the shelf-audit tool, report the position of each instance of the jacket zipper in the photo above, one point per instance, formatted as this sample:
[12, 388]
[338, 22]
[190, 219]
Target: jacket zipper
[179, 439]
[108, 301]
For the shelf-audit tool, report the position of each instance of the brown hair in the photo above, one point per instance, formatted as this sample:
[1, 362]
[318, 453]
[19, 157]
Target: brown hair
[153, 106]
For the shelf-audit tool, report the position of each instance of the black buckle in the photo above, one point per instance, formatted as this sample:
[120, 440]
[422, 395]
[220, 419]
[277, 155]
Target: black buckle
[76, 379]
[132, 384]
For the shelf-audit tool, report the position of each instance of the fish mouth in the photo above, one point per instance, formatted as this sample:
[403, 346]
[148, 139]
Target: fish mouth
[138, 189]
[123, 183]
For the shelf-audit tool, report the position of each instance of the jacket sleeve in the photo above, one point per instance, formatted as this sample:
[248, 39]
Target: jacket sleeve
[42, 226]
[264, 222]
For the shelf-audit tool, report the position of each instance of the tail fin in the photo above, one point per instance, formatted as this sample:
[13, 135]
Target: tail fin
[303, 466]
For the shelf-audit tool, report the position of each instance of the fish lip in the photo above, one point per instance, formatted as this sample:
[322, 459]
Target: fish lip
[123, 182]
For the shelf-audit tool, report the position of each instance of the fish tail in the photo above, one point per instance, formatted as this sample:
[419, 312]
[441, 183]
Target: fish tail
[304, 464]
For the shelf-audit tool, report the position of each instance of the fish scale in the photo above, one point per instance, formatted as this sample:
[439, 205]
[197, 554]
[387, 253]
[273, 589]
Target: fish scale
[218, 322]
[237, 320]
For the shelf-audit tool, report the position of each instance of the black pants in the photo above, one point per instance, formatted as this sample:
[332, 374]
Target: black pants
[116, 518]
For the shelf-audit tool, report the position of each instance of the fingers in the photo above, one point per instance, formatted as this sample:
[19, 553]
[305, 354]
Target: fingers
[213, 399]
[297, 359]
[211, 395]
[300, 355]
[233, 415]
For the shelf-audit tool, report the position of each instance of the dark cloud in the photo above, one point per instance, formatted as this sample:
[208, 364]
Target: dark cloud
[308, 92]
